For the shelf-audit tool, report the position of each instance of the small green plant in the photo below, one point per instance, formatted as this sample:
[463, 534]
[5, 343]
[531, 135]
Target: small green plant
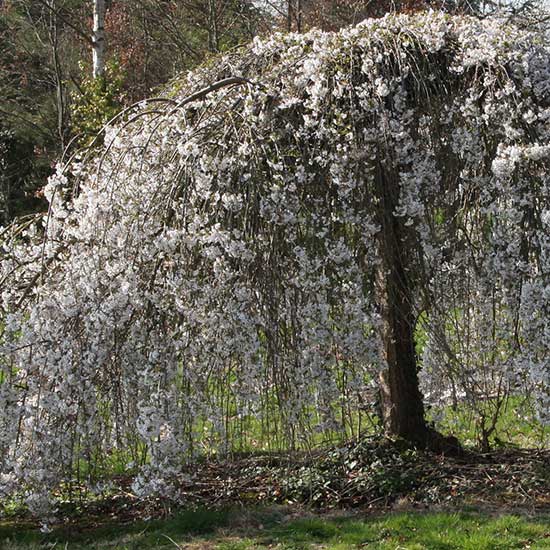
[98, 101]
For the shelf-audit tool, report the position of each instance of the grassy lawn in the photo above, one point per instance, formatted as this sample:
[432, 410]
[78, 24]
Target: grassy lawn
[278, 530]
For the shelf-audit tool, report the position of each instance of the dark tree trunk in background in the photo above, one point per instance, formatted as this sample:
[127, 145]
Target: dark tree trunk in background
[63, 126]
[213, 33]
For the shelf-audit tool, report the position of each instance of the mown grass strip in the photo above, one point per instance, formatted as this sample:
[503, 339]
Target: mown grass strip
[274, 529]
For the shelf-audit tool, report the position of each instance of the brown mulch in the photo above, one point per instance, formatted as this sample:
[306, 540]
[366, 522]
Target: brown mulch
[510, 478]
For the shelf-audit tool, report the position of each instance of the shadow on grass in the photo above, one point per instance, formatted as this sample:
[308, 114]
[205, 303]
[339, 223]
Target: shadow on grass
[273, 529]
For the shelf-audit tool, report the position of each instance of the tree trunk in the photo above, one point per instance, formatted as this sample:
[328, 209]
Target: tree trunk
[98, 39]
[213, 35]
[289, 15]
[401, 400]
[60, 89]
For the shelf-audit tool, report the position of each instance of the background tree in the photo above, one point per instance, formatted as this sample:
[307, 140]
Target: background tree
[98, 38]
[34, 111]
[47, 70]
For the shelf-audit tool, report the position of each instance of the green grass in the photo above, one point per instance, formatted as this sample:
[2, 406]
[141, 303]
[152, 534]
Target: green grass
[272, 529]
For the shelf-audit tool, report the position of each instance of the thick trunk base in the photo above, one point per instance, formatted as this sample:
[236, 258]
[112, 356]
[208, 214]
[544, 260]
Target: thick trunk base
[402, 404]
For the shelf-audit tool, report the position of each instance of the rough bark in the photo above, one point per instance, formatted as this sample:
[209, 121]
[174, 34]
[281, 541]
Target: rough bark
[401, 401]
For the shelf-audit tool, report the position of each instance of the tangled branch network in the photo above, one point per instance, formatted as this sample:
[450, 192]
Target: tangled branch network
[213, 263]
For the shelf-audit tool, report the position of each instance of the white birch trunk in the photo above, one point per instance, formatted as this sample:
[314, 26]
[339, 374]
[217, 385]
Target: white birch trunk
[98, 39]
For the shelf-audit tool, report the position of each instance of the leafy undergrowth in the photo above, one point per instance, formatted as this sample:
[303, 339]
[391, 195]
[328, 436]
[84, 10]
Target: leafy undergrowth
[281, 529]
[378, 474]
[370, 474]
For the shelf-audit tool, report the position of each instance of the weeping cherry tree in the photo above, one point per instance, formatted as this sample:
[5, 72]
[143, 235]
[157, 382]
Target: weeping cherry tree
[270, 238]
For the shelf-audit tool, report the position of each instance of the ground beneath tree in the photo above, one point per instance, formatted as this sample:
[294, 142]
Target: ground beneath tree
[368, 475]
[375, 495]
